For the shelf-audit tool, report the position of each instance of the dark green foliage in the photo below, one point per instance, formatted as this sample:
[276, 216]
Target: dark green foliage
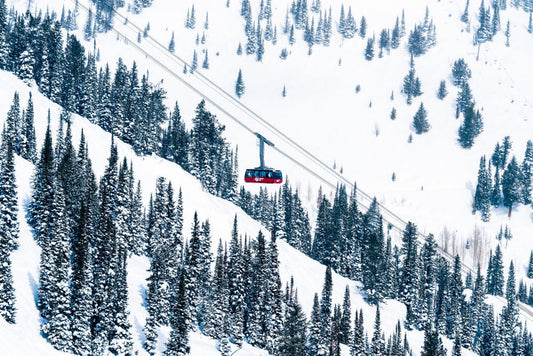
[420, 122]
[8, 232]
[395, 36]
[496, 193]
[507, 34]
[408, 278]
[239, 86]
[345, 322]
[471, 127]
[512, 185]
[527, 174]
[378, 342]
[172, 44]
[483, 191]
[442, 92]
[530, 266]
[175, 142]
[206, 147]
[464, 98]
[411, 84]
[369, 50]
[461, 73]
[432, 344]
[357, 345]
[315, 328]
[495, 277]
[293, 336]
[464, 16]
[326, 310]
[178, 344]
[362, 27]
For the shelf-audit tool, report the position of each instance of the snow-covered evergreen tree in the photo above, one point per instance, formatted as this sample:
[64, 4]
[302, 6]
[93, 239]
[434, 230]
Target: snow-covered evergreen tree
[9, 231]
[239, 85]
[420, 122]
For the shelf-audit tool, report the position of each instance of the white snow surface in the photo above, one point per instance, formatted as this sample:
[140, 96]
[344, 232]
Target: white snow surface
[435, 178]
[24, 338]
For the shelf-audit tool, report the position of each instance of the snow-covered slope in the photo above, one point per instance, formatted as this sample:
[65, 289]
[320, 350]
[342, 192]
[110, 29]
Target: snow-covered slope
[308, 274]
[435, 177]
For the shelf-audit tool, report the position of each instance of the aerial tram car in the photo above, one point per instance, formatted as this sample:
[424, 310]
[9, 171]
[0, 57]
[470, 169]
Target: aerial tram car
[263, 174]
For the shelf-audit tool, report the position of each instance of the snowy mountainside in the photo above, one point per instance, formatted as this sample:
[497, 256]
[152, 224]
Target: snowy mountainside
[346, 121]
[308, 274]
[435, 177]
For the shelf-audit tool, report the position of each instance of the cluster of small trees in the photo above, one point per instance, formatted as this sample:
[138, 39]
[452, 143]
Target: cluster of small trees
[489, 24]
[423, 36]
[512, 183]
[412, 86]
[472, 125]
[282, 211]
[128, 106]
[387, 39]
[86, 232]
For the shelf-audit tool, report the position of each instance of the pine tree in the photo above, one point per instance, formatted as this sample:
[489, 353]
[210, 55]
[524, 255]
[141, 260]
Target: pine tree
[395, 35]
[172, 44]
[293, 336]
[239, 86]
[28, 150]
[81, 286]
[512, 185]
[54, 294]
[455, 299]
[314, 339]
[495, 277]
[408, 277]
[527, 174]
[467, 131]
[326, 312]
[357, 346]
[393, 114]
[236, 286]
[464, 16]
[13, 126]
[345, 323]
[362, 27]
[530, 266]
[369, 50]
[432, 344]
[194, 64]
[26, 64]
[456, 346]
[461, 73]
[378, 343]
[507, 34]
[178, 344]
[483, 190]
[420, 122]
[88, 29]
[8, 233]
[442, 92]
[205, 64]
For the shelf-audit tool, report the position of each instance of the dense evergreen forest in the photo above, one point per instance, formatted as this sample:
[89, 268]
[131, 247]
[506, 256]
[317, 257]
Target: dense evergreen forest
[87, 227]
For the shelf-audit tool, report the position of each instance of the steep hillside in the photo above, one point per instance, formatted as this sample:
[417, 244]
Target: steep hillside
[308, 274]
[337, 105]
[434, 177]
